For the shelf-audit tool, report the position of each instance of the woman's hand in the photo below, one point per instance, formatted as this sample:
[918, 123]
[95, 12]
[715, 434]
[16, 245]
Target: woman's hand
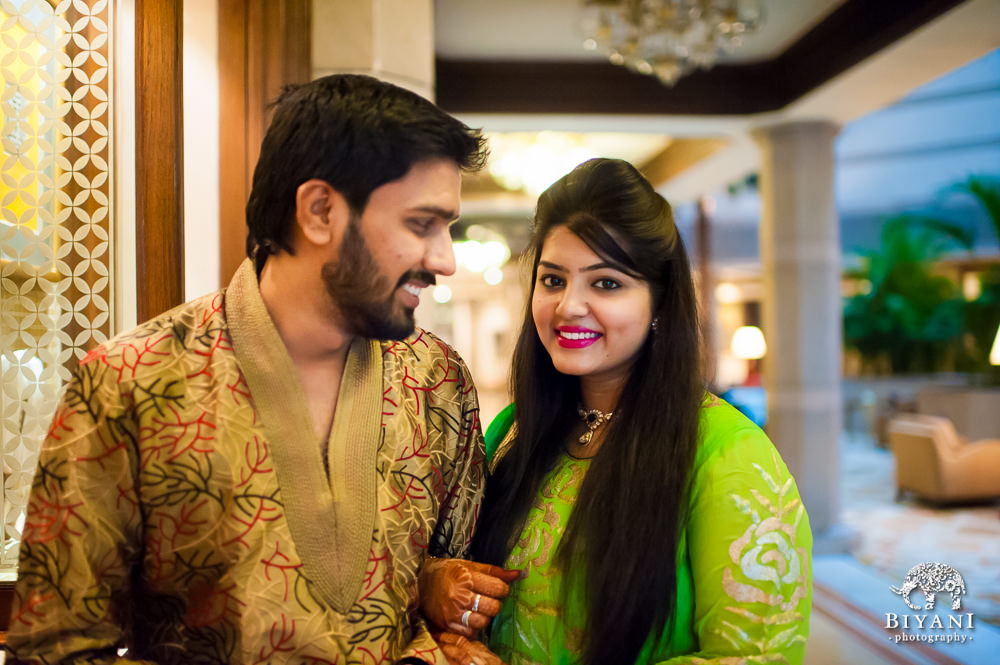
[462, 596]
[460, 651]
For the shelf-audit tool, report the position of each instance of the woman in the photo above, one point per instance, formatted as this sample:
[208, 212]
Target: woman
[654, 522]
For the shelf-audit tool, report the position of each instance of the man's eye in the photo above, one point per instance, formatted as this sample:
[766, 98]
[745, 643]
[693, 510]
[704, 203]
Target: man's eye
[607, 283]
[422, 225]
[550, 281]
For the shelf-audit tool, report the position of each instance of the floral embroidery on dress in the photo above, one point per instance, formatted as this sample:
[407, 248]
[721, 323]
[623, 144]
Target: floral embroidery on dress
[766, 565]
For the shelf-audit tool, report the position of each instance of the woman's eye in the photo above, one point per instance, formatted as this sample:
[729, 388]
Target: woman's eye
[607, 284]
[550, 281]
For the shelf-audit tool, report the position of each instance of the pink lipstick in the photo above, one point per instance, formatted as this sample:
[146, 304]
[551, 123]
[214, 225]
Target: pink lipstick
[574, 337]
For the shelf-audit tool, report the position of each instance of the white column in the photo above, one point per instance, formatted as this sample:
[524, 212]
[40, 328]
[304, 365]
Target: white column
[801, 310]
[390, 39]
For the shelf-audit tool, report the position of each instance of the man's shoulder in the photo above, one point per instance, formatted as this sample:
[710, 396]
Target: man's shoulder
[427, 359]
[422, 348]
[151, 345]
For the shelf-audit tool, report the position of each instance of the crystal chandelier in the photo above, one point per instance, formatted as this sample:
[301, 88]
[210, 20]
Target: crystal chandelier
[667, 38]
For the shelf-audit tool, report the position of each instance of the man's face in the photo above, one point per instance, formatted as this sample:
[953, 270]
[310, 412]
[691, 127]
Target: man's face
[394, 249]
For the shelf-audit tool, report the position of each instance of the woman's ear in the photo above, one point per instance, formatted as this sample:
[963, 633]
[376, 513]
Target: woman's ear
[321, 212]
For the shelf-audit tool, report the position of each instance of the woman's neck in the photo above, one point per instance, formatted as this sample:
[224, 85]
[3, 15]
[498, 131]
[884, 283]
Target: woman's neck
[601, 394]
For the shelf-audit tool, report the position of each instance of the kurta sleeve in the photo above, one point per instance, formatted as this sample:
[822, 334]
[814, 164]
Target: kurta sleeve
[749, 548]
[497, 430]
[82, 528]
[464, 478]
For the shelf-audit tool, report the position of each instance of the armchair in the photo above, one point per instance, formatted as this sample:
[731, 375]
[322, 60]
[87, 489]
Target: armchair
[933, 461]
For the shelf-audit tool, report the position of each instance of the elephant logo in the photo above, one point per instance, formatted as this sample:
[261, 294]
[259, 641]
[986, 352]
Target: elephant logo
[931, 579]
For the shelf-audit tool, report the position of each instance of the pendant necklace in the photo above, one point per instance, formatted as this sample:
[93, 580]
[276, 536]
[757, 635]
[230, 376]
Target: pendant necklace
[593, 419]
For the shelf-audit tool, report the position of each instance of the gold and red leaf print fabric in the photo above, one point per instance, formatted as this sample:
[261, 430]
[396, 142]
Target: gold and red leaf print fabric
[157, 520]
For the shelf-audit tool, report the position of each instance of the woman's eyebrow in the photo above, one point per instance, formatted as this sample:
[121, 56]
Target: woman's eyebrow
[600, 266]
[597, 266]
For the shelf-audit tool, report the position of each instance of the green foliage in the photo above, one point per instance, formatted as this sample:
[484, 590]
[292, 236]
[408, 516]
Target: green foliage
[914, 318]
[986, 190]
[749, 182]
[982, 318]
[982, 315]
[910, 315]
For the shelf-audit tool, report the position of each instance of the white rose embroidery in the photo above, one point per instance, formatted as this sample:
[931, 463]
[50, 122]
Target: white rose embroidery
[766, 564]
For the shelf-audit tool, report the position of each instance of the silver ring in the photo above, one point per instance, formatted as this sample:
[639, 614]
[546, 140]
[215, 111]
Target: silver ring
[465, 617]
[475, 605]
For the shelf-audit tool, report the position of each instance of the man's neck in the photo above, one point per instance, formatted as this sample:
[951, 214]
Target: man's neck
[302, 312]
[306, 323]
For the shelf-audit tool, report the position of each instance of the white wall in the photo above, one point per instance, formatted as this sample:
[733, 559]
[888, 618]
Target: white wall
[124, 282]
[201, 149]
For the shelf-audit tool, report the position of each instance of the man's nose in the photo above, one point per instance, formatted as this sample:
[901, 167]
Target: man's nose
[440, 256]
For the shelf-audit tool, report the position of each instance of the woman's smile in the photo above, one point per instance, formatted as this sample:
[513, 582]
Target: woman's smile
[591, 317]
[574, 337]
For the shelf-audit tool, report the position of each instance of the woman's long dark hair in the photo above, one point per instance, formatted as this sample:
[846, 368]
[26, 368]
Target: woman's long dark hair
[622, 537]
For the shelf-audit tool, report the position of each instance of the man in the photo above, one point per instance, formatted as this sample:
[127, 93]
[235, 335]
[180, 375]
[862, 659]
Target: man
[257, 476]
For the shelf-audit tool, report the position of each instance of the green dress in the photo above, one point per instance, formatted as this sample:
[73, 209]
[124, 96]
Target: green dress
[744, 583]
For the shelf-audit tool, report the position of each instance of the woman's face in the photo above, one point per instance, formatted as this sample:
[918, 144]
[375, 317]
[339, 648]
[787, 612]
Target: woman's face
[591, 318]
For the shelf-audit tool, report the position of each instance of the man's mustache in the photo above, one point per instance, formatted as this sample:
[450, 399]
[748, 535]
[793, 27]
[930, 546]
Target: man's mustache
[417, 276]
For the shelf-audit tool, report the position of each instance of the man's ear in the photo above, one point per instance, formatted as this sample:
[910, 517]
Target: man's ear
[321, 212]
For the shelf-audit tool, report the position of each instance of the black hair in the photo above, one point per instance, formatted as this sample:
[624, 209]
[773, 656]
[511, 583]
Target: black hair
[622, 538]
[355, 132]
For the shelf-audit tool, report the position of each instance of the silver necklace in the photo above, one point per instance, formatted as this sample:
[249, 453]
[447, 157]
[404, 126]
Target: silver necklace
[592, 418]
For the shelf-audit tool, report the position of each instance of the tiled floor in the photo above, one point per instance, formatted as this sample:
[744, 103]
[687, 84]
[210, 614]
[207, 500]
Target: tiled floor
[892, 537]
[828, 645]
[852, 593]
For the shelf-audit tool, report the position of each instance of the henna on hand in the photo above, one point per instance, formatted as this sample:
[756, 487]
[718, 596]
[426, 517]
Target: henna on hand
[462, 596]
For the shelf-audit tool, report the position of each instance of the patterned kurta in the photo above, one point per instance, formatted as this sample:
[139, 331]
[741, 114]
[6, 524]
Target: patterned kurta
[744, 583]
[182, 506]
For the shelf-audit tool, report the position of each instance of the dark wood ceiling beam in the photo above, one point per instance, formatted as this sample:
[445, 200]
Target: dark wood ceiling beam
[598, 87]
[851, 33]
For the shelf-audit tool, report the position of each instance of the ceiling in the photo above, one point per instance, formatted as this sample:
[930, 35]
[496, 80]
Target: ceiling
[519, 66]
[517, 56]
[547, 29]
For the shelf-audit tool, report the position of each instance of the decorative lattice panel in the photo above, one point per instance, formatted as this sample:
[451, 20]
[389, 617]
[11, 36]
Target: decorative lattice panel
[55, 222]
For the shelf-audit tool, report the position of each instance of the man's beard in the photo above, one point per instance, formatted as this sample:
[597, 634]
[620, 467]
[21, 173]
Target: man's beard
[353, 282]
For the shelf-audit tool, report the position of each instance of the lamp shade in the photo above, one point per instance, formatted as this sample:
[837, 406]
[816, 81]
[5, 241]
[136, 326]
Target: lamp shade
[995, 351]
[748, 342]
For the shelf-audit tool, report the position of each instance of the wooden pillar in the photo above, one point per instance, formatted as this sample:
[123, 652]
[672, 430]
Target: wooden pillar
[263, 46]
[159, 148]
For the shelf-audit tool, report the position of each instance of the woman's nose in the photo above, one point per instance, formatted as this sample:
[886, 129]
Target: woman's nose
[572, 303]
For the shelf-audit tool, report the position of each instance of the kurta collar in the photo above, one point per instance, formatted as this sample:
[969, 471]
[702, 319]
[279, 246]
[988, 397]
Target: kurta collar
[331, 520]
